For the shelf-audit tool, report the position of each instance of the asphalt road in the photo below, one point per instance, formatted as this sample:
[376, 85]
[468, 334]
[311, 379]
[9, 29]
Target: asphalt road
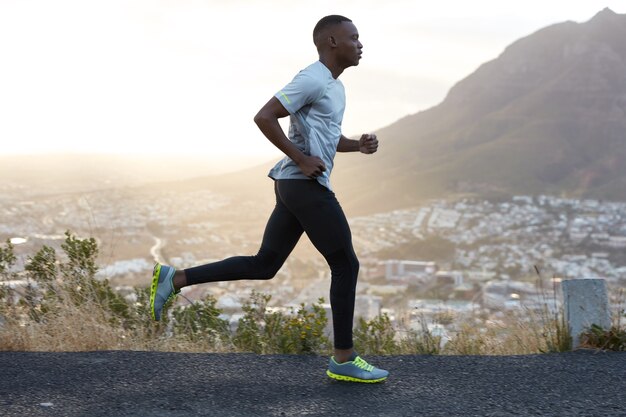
[147, 384]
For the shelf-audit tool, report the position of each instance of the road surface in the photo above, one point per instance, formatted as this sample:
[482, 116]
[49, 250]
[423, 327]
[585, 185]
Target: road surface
[123, 383]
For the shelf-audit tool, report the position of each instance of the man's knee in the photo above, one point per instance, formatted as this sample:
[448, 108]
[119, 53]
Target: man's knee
[344, 263]
[269, 263]
[267, 273]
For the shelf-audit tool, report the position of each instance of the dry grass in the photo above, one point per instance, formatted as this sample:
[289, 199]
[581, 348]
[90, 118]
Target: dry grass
[88, 328]
[72, 311]
[69, 329]
[79, 329]
[512, 335]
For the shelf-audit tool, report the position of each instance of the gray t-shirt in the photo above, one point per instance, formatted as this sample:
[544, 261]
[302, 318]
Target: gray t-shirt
[316, 102]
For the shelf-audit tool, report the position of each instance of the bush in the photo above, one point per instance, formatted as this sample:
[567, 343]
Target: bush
[7, 260]
[261, 331]
[375, 337]
[305, 330]
[63, 306]
[200, 322]
[613, 339]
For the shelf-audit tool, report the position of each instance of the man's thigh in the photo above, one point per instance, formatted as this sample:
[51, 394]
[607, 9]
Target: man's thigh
[319, 214]
[282, 231]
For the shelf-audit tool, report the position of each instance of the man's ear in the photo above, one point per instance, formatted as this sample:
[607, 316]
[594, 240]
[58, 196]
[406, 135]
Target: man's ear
[331, 41]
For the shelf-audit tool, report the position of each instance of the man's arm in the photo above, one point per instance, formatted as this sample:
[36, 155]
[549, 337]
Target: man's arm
[267, 121]
[368, 143]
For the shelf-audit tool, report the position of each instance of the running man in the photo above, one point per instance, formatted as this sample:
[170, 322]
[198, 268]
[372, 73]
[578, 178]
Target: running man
[315, 102]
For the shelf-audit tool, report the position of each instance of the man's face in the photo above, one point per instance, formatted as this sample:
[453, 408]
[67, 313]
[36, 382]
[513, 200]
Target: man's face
[348, 47]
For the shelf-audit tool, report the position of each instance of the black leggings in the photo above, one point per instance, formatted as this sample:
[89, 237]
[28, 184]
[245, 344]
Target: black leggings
[301, 206]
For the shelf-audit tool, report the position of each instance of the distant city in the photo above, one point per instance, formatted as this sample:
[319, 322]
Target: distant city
[441, 258]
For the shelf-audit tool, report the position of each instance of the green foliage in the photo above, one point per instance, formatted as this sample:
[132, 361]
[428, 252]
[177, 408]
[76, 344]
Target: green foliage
[42, 267]
[261, 331]
[111, 303]
[305, 330]
[82, 253]
[47, 294]
[143, 326]
[613, 339]
[43, 270]
[200, 322]
[31, 301]
[7, 260]
[248, 336]
[375, 337]
[80, 283]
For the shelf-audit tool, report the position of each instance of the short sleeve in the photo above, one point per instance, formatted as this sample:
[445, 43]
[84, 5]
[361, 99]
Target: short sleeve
[304, 89]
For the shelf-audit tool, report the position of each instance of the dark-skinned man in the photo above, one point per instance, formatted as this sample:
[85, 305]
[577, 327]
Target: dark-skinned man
[315, 102]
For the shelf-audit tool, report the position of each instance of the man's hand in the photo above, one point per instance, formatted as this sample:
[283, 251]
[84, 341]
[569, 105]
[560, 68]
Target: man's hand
[311, 166]
[368, 143]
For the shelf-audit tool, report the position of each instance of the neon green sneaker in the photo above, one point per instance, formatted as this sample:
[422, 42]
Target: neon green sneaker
[357, 370]
[162, 289]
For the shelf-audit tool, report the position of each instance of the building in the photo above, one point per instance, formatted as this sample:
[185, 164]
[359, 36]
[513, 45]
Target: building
[408, 272]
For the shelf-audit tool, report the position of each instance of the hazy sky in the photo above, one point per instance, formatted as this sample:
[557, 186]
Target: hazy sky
[187, 76]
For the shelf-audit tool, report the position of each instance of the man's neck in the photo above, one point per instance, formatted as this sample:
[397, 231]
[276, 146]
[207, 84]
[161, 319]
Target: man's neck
[335, 69]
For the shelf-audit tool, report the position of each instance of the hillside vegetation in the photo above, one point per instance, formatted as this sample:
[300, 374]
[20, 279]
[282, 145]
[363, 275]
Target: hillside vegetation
[58, 305]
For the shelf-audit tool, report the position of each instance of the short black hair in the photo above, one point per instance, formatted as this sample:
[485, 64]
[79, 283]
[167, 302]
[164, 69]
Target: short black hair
[327, 21]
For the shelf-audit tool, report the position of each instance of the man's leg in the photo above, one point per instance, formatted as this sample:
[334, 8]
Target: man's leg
[282, 232]
[324, 222]
[322, 218]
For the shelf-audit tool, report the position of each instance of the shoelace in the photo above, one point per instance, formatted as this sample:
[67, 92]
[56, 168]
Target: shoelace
[362, 364]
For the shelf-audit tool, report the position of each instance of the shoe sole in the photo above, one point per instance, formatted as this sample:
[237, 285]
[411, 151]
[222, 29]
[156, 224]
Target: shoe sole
[353, 379]
[153, 288]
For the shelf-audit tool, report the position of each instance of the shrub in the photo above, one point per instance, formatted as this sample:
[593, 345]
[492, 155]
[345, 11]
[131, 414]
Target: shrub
[7, 260]
[261, 331]
[200, 322]
[305, 330]
[73, 311]
[613, 339]
[375, 337]
[248, 336]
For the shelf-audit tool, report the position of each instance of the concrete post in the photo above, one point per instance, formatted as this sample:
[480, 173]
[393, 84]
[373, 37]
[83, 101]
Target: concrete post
[585, 302]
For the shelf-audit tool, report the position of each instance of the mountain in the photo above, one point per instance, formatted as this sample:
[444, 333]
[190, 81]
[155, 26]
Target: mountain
[546, 116]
